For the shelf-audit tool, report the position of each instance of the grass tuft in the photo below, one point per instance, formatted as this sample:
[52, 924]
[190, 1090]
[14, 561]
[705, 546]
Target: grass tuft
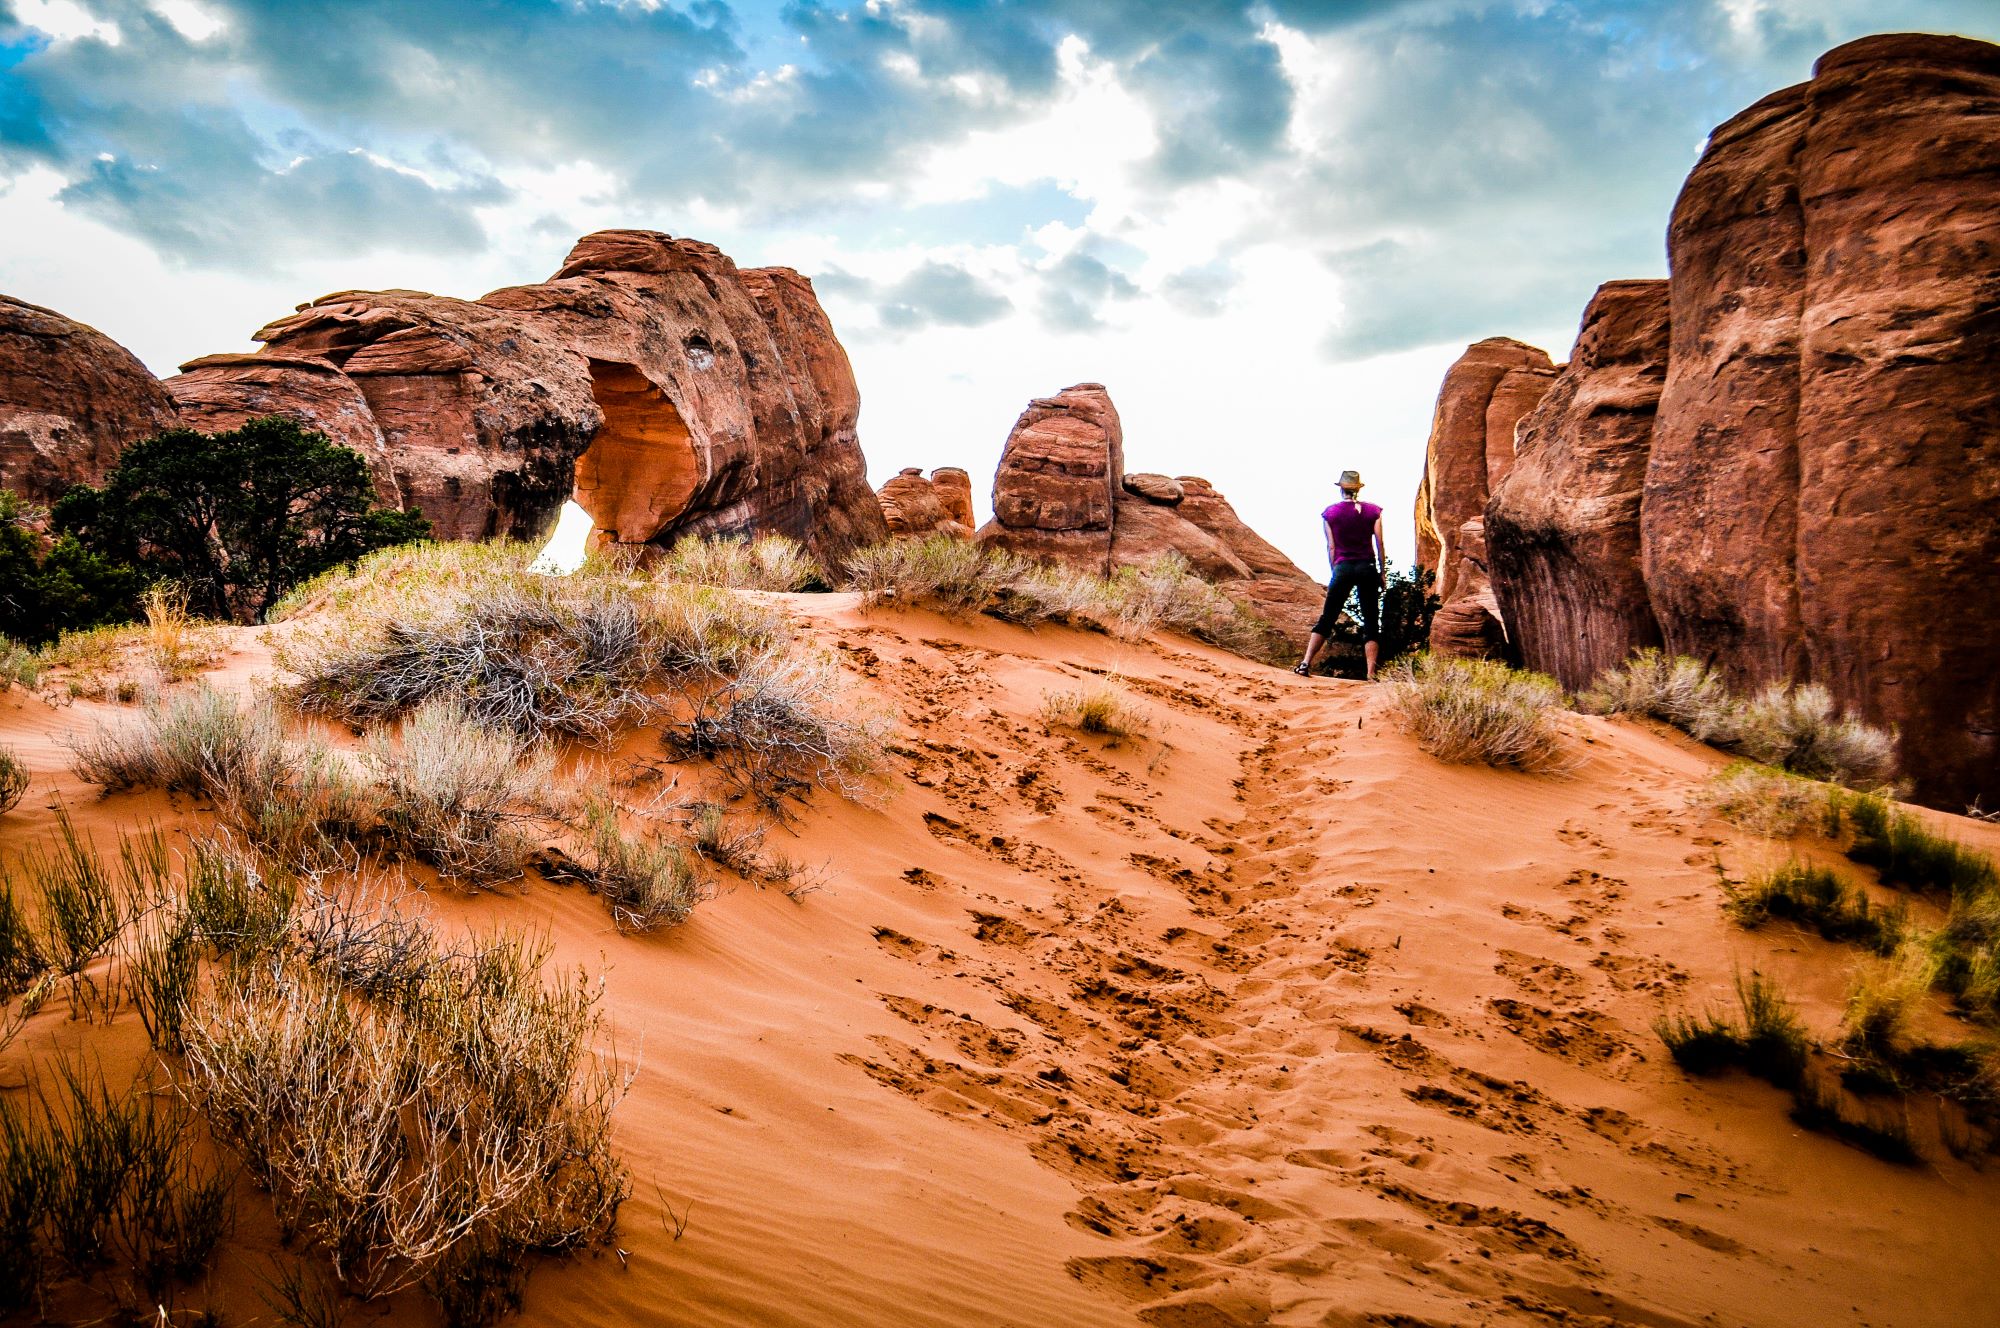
[1905, 852]
[769, 562]
[455, 792]
[648, 884]
[1102, 708]
[1764, 801]
[13, 779]
[1818, 897]
[1478, 710]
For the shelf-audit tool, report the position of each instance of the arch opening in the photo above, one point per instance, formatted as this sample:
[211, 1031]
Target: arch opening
[641, 470]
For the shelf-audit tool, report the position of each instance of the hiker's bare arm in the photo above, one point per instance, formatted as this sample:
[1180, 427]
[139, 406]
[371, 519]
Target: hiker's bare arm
[1327, 527]
[1381, 550]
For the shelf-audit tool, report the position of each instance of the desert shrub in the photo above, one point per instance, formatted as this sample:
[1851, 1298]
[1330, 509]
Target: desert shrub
[710, 836]
[1478, 710]
[49, 586]
[1905, 852]
[455, 791]
[769, 562]
[19, 666]
[363, 938]
[1099, 708]
[101, 1189]
[1770, 1042]
[161, 973]
[1674, 689]
[1164, 590]
[178, 647]
[1818, 897]
[1799, 729]
[782, 724]
[236, 518]
[13, 778]
[85, 903]
[22, 958]
[1051, 592]
[436, 1137]
[197, 742]
[648, 884]
[955, 575]
[236, 903]
[539, 655]
[1764, 801]
[1884, 999]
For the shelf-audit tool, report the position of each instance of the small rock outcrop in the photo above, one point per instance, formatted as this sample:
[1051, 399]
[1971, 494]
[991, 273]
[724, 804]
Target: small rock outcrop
[220, 392]
[915, 505]
[1056, 488]
[71, 399]
[1562, 529]
[1061, 494]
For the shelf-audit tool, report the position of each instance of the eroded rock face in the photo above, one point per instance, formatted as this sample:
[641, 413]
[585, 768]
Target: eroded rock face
[71, 399]
[1056, 488]
[1819, 443]
[1485, 392]
[667, 391]
[1562, 530]
[915, 505]
[1821, 494]
[217, 393]
[954, 490]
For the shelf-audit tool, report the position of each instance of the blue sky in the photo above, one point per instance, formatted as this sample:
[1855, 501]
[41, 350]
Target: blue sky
[1266, 227]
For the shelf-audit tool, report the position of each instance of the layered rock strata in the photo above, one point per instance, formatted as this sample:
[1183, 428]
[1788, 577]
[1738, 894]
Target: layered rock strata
[1562, 529]
[71, 399]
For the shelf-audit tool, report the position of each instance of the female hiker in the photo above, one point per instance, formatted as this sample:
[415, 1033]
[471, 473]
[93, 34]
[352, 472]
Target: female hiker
[1354, 547]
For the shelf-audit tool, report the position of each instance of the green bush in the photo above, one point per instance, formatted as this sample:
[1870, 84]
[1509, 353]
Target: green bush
[51, 586]
[1905, 852]
[236, 518]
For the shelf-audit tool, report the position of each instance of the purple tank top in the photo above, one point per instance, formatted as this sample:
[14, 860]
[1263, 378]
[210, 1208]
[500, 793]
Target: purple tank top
[1353, 530]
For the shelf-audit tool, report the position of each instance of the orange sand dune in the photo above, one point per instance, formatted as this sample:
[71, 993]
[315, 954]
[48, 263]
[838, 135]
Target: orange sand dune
[1267, 1017]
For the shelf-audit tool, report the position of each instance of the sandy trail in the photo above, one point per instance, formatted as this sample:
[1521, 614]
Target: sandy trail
[1266, 1017]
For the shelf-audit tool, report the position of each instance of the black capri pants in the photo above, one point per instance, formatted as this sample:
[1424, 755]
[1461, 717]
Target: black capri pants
[1349, 578]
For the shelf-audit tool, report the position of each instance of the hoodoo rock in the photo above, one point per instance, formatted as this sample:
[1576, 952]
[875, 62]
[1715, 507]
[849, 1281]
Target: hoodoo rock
[71, 399]
[954, 490]
[914, 505]
[1471, 446]
[1061, 494]
[1056, 488]
[1562, 529]
[1813, 421]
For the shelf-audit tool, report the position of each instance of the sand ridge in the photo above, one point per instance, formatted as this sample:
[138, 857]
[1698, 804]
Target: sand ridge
[1264, 1017]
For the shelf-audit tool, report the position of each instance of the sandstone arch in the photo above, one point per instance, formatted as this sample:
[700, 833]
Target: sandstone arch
[642, 469]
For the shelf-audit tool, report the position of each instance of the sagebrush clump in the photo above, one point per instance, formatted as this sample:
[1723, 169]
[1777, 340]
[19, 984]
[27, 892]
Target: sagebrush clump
[1794, 728]
[1101, 708]
[1466, 710]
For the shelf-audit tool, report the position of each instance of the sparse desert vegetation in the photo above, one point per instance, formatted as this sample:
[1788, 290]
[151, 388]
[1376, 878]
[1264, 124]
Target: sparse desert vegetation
[1765, 801]
[13, 778]
[1102, 708]
[965, 576]
[1478, 711]
[1797, 729]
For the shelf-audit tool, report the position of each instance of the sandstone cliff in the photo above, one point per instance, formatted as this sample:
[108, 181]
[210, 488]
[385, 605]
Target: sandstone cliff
[71, 399]
[1813, 420]
[668, 391]
[1562, 530]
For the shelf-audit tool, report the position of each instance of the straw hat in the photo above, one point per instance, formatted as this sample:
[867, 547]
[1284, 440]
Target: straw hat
[1350, 479]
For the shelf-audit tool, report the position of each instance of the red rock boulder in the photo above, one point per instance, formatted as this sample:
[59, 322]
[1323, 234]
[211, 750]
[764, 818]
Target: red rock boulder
[1562, 529]
[217, 393]
[914, 505]
[1056, 488]
[71, 399]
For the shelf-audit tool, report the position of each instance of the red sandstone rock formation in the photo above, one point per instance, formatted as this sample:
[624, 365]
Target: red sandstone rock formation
[1822, 490]
[1061, 494]
[1485, 393]
[1820, 437]
[914, 505]
[1471, 626]
[220, 392]
[1056, 487]
[71, 399]
[1562, 530]
[666, 390]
